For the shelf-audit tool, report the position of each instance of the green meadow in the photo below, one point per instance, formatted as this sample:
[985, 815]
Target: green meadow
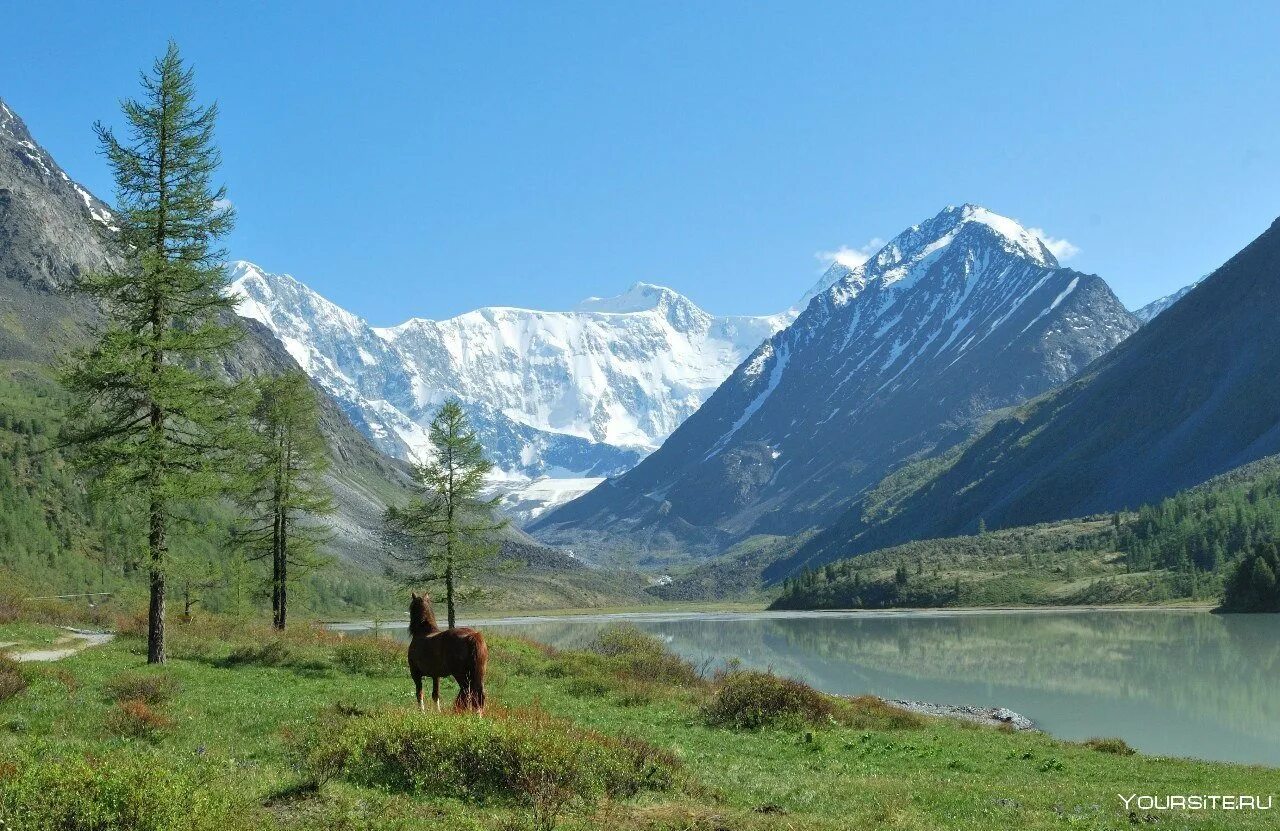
[309, 730]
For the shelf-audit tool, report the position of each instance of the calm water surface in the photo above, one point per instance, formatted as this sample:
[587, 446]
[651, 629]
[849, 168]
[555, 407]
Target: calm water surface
[1167, 682]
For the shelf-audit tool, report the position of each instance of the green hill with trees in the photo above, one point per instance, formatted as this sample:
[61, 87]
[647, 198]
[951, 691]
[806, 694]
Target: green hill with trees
[1190, 547]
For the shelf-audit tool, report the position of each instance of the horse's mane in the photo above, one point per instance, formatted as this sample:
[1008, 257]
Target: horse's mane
[422, 620]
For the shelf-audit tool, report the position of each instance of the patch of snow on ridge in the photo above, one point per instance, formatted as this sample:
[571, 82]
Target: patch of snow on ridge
[1148, 312]
[775, 378]
[1056, 301]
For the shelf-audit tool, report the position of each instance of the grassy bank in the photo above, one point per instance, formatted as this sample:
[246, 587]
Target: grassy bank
[243, 729]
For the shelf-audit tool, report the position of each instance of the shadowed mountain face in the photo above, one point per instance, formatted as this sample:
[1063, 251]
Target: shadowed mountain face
[1194, 393]
[52, 231]
[958, 316]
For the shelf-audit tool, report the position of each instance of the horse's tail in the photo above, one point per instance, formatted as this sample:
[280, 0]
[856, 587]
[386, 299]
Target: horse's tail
[479, 659]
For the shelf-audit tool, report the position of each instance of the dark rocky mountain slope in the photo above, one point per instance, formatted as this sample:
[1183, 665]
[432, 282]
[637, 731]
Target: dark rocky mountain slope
[1192, 394]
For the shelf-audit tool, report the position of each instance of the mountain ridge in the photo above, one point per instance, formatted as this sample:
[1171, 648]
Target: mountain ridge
[586, 392]
[1189, 396]
[959, 315]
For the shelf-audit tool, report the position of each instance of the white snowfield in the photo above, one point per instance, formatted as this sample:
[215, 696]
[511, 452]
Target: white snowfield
[573, 395]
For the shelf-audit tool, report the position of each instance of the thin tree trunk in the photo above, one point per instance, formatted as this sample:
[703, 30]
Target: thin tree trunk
[277, 577]
[155, 612]
[277, 539]
[448, 593]
[283, 570]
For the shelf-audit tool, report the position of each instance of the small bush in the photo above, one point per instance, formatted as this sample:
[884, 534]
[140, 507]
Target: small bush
[119, 791]
[521, 756]
[1118, 747]
[152, 688]
[638, 655]
[371, 656]
[135, 719]
[12, 678]
[749, 700]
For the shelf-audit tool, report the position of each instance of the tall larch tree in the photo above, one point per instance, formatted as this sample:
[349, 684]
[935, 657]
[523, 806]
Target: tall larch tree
[149, 420]
[286, 497]
[450, 529]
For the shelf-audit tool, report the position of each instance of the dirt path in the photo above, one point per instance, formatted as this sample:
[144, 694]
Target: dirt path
[70, 644]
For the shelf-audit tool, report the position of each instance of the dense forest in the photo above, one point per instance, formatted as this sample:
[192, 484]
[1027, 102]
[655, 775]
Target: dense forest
[1215, 538]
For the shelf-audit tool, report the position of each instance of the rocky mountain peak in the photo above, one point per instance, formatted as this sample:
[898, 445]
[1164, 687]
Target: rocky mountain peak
[970, 228]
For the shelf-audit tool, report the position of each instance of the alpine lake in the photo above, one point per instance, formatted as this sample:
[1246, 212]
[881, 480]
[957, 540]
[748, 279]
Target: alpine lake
[1168, 682]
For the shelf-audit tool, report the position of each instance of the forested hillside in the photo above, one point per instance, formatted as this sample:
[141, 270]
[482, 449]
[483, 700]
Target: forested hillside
[1184, 547]
[55, 539]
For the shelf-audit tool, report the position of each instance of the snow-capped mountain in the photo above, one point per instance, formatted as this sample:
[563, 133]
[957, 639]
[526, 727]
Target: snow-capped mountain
[580, 394]
[1155, 307]
[1188, 397]
[959, 315]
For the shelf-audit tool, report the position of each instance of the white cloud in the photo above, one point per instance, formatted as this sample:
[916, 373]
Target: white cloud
[223, 204]
[1063, 249]
[849, 257]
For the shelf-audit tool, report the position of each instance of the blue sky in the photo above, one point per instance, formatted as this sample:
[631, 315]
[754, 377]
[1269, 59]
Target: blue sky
[430, 158]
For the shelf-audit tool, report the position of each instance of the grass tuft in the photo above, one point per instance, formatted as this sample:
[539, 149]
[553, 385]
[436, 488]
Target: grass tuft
[134, 718]
[371, 656]
[1114, 746]
[867, 712]
[12, 679]
[151, 688]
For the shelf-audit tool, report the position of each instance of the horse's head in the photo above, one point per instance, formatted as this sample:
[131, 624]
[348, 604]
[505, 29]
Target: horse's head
[421, 615]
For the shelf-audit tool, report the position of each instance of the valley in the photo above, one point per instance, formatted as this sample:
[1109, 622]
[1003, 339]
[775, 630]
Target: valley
[958, 539]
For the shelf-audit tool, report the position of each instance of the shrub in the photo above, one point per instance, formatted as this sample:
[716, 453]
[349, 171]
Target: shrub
[152, 688]
[748, 700]
[12, 678]
[638, 655]
[522, 756]
[1118, 747]
[371, 656]
[118, 791]
[135, 719]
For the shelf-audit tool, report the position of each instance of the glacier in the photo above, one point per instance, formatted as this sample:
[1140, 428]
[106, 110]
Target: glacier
[573, 395]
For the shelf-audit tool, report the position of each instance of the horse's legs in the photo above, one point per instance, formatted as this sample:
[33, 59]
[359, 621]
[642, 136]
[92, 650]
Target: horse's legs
[435, 691]
[417, 684]
[463, 701]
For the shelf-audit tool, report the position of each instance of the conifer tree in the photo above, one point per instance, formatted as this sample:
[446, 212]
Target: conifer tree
[286, 493]
[148, 422]
[450, 528]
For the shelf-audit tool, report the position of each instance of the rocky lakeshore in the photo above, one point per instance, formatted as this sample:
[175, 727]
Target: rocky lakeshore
[990, 716]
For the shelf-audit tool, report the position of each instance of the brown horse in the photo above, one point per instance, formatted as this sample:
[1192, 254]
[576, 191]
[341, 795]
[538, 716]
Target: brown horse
[438, 652]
